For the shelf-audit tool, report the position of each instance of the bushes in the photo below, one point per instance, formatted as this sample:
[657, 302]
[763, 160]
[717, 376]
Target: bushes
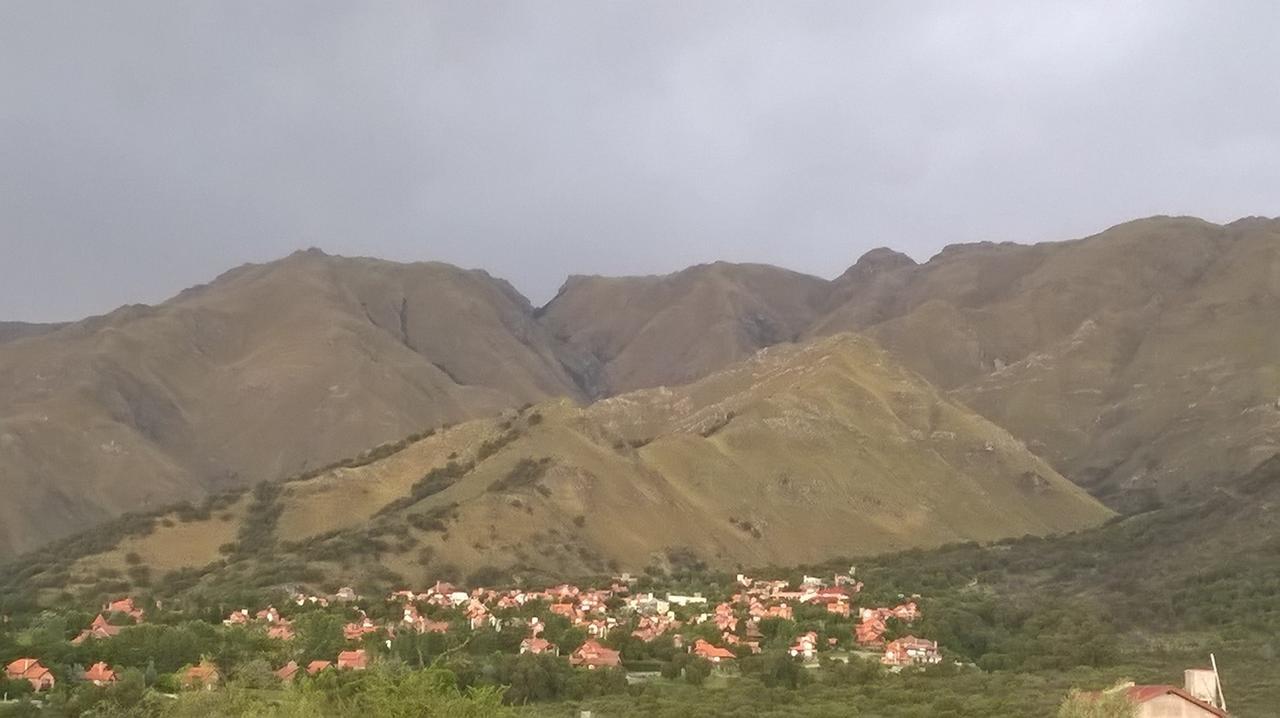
[746, 526]
[526, 472]
[435, 481]
[487, 576]
[432, 520]
[257, 533]
[489, 447]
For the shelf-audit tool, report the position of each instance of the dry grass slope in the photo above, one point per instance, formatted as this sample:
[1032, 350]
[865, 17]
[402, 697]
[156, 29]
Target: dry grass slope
[800, 454]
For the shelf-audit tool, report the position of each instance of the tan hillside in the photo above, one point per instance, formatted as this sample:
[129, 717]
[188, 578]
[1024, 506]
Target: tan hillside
[1142, 359]
[650, 331]
[9, 331]
[265, 372]
[798, 454]
[1140, 362]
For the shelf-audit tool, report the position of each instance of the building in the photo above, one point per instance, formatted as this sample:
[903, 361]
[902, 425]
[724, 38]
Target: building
[806, 646]
[1170, 702]
[99, 674]
[870, 632]
[31, 671]
[125, 606]
[909, 650]
[711, 652]
[204, 676]
[287, 672]
[356, 660]
[99, 630]
[538, 646]
[315, 667]
[1204, 686]
[592, 655]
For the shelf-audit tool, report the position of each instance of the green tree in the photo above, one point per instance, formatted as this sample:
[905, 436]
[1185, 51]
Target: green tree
[318, 636]
[1112, 703]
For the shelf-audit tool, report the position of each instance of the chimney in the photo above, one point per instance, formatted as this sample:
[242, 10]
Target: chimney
[1202, 684]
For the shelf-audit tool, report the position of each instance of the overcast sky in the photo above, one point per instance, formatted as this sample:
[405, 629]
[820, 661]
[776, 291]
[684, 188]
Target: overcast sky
[145, 147]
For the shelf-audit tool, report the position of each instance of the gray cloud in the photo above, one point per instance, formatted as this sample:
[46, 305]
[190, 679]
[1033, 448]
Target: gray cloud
[145, 147]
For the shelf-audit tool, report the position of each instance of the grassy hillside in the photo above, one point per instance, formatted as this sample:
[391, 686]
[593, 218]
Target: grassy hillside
[1140, 362]
[800, 454]
[647, 331]
[267, 371]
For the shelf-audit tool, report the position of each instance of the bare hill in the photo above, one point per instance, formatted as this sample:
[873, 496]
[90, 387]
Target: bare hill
[649, 331]
[10, 331]
[801, 453]
[1142, 362]
[265, 372]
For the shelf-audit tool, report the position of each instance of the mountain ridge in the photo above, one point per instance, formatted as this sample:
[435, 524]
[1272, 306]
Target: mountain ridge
[192, 394]
[801, 452]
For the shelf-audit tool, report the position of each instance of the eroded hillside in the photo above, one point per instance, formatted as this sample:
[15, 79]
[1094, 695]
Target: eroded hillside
[802, 453]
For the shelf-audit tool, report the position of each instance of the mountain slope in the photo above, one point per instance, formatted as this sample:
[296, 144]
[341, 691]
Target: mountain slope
[267, 371]
[651, 331]
[9, 331]
[1141, 361]
[801, 453]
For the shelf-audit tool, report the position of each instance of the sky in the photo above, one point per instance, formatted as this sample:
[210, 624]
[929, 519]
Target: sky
[149, 146]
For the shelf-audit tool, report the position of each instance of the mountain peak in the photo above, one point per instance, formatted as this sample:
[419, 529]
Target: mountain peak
[878, 260]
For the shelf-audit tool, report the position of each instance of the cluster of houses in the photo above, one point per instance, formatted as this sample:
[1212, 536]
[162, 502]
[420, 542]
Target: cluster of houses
[99, 674]
[597, 612]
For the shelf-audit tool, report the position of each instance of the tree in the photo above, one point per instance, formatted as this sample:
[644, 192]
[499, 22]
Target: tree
[1113, 703]
[255, 673]
[697, 670]
[533, 678]
[318, 636]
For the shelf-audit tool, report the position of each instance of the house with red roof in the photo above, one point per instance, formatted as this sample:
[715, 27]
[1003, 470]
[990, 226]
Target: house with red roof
[906, 612]
[568, 610]
[592, 655]
[99, 674]
[315, 667]
[204, 676]
[31, 671]
[237, 618]
[356, 660]
[537, 646]
[910, 650]
[99, 630]
[1159, 701]
[125, 606]
[870, 632]
[356, 630]
[281, 631]
[711, 652]
[288, 672]
[806, 646]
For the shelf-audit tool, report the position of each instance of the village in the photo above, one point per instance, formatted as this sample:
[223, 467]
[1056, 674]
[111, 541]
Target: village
[604, 620]
[617, 631]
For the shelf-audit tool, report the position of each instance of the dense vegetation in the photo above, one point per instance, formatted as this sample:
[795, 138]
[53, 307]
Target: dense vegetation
[1021, 623]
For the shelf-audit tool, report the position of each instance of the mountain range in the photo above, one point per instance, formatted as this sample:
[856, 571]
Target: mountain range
[1140, 363]
[803, 452]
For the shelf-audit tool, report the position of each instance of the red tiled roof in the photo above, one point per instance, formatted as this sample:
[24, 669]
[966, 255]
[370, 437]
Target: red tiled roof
[708, 650]
[1144, 693]
[100, 672]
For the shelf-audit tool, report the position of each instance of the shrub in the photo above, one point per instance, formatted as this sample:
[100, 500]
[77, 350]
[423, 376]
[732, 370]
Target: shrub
[526, 472]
